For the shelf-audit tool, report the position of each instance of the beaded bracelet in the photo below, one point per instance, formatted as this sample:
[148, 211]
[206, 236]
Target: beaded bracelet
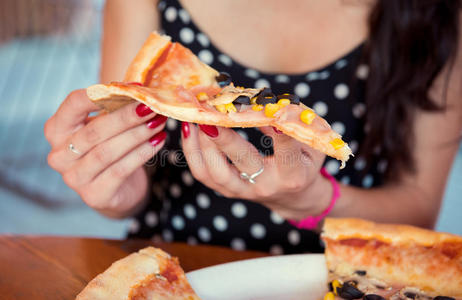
[311, 222]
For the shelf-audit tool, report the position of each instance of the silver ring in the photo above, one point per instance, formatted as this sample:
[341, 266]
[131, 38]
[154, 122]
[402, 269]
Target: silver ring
[251, 178]
[73, 149]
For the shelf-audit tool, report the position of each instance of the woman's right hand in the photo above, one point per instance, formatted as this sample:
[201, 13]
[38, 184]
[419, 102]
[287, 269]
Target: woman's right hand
[106, 169]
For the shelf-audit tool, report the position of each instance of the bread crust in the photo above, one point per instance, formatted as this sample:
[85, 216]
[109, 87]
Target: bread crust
[400, 255]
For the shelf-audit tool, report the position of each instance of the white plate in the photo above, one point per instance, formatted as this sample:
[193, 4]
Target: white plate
[302, 276]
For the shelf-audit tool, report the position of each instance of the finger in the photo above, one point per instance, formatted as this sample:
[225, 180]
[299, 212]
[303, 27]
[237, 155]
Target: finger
[112, 150]
[107, 183]
[192, 152]
[243, 154]
[221, 172]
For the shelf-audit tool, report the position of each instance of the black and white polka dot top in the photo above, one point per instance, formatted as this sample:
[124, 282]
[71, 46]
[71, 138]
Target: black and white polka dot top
[183, 209]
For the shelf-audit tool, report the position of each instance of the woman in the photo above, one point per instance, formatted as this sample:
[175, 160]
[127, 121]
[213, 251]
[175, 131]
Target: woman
[385, 74]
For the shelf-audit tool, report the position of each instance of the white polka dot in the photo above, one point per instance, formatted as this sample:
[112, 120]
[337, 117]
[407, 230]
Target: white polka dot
[186, 35]
[312, 76]
[345, 180]
[302, 89]
[239, 210]
[172, 124]
[251, 73]
[324, 75]
[382, 166]
[189, 211]
[362, 72]
[218, 194]
[161, 5]
[258, 231]
[320, 108]
[293, 237]
[178, 222]
[220, 223]
[243, 134]
[360, 163]
[175, 190]
[187, 178]
[262, 83]
[359, 109]
[238, 244]
[191, 241]
[203, 200]
[184, 16]
[341, 63]
[276, 218]
[282, 79]
[225, 59]
[170, 14]
[368, 180]
[341, 91]
[204, 234]
[134, 226]
[276, 250]
[338, 127]
[206, 56]
[167, 235]
[332, 167]
[353, 146]
[151, 219]
[203, 39]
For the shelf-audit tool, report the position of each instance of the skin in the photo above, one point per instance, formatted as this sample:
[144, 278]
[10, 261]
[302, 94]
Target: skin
[324, 31]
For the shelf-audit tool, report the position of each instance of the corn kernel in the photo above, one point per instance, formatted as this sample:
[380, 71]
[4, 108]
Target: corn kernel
[307, 116]
[336, 284]
[271, 109]
[221, 108]
[202, 96]
[257, 107]
[253, 100]
[337, 143]
[283, 102]
[329, 296]
[230, 107]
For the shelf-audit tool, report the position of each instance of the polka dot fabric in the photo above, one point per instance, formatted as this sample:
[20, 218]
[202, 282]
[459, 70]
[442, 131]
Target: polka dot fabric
[183, 209]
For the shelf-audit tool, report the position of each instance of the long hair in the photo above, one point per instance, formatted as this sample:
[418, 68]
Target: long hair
[411, 42]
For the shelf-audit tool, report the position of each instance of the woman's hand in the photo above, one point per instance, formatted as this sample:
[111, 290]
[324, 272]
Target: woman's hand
[106, 166]
[290, 183]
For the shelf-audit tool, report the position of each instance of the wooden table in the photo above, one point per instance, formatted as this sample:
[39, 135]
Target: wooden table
[60, 267]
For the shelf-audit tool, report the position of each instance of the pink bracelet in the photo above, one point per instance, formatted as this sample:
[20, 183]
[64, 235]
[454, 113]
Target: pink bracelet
[312, 222]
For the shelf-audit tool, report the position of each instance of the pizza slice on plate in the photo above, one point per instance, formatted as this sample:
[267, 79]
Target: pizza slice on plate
[149, 274]
[173, 82]
[373, 261]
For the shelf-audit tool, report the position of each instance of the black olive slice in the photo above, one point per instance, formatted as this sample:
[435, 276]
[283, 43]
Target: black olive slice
[223, 79]
[360, 272]
[294, 99]
[266, 96]
[443, 298]
[349, 292]
[410, 295]
[242, 100]
[373, 297]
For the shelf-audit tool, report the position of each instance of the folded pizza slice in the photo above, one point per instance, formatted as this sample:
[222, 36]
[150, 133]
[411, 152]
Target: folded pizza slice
[173, 82]
[373, 261]
[149, 274]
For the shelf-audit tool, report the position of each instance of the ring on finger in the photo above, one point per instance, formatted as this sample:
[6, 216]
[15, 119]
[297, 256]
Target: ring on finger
[251, 178]
[74, 149]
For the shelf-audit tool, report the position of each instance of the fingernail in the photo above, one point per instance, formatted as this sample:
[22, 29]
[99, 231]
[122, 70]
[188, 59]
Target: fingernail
[135, 83]
[277, 130]
[185, 129]
[158, 138]
[143, 110]
[210, 130]
[156, 121]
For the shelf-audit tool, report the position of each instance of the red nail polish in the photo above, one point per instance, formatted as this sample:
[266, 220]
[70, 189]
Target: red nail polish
[277, 130]
[143, 110]
[185, 129]
[135, 83]
[158, 138]
[210, 130]
[156, 121]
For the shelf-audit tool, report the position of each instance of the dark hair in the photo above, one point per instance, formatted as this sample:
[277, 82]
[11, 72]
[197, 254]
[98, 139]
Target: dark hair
[410, 42]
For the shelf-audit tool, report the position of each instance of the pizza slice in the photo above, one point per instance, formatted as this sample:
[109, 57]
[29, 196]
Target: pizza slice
[373, 261]
[173, 82]
[149, 274]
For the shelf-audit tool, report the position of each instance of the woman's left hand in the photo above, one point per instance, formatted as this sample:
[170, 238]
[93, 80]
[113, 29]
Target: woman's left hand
[290, 184]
